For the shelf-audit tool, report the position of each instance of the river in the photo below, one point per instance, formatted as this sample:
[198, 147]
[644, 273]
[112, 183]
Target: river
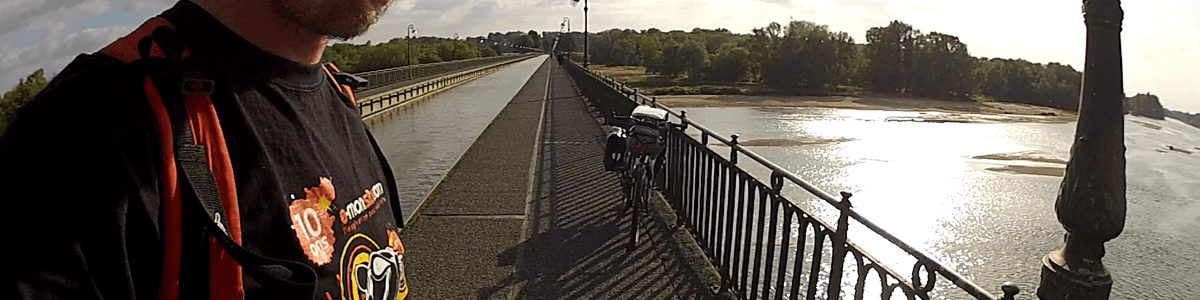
[979, 197]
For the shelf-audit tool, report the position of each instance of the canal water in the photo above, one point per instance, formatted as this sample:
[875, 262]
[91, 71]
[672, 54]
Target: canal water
[979, 197]
[423, 140]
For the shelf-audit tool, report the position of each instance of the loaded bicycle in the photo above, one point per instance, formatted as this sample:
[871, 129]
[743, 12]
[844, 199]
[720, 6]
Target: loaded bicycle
[635, 148]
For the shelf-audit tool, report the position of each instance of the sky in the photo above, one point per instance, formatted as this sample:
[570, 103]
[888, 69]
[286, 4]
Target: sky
[1161, 38]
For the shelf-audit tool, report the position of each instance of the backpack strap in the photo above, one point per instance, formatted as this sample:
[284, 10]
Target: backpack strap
[193, 145]
[126, 50]
[345, 83]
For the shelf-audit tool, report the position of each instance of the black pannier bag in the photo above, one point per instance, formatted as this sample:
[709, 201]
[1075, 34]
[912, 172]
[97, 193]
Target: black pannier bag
[642, 132]
[614, 149]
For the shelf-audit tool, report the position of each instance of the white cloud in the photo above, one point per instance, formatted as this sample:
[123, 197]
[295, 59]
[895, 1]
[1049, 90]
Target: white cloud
[133, 5]
[51, 18]
[26, 15]
[56, 50]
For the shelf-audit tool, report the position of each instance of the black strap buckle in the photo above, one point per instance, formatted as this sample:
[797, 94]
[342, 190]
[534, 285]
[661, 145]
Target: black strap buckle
[354, 82]
[197, 86]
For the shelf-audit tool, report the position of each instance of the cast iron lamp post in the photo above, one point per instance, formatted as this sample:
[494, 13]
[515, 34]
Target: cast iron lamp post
[585, 34]
[585, 31]
[412, 32]
[1091, 200]
[567, 24]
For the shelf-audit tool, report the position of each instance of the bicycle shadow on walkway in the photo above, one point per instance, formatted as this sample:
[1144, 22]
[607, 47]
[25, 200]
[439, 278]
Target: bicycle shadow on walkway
[579, 230]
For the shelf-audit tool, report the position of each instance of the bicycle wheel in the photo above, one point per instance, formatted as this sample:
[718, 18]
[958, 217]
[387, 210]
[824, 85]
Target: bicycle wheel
[627, 188]
[637, 197]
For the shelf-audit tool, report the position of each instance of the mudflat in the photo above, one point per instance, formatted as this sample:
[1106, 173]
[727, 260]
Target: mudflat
[948, 110]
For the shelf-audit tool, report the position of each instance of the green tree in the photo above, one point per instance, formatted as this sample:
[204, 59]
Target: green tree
[732, 65]
[525, 41]
[763, 44]
[368, 57]
[627, 52]
[25, 89]
[456, 50]
[1059, 86]
[445, 51]
[669, 65]
[806, 55]
[464, 50]
[567, 43]
[1017, 80]
[487, 52]
[900, 59]
[1145, 105]
[693, 60]
[534, 38]
[610, 48]
[648, 49]
[943, 68]
[891, 52]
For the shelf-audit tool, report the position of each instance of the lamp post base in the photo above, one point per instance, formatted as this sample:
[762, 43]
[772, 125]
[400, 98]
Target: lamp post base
[1061, 282]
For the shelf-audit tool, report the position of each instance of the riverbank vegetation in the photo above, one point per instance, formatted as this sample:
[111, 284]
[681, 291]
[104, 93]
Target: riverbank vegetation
[394, 53]
[424, 50]
[25, 89]
[805, 58]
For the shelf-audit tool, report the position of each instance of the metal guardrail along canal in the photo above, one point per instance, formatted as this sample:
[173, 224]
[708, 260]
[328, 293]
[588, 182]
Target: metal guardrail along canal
[726, 209]
[454, 73]
[387, 76]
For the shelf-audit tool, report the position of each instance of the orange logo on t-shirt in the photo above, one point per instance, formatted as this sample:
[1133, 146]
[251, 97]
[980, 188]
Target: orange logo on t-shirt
[313, 222]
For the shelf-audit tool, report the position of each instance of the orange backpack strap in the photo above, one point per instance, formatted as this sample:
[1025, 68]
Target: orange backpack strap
[193, 145]
[346, 83]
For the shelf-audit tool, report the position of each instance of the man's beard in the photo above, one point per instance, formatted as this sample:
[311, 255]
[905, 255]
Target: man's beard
[337, 19]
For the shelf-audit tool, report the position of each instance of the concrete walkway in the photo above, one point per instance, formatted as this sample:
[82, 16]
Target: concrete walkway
[510, 222]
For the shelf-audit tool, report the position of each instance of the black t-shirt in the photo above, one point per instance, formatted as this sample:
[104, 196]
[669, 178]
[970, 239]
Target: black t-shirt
[80, 170]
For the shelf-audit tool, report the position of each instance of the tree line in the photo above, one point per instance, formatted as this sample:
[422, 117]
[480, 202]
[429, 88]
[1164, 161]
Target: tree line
[396, 52]
[807, 57]
[424, 50]
[531, 39]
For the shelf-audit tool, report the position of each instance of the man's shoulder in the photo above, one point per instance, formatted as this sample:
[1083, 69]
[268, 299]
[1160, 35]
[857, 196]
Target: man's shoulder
[88, 89]
[88, 81]
[94, 97]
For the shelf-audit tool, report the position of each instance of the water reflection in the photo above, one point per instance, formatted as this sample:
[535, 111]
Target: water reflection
[932, 185]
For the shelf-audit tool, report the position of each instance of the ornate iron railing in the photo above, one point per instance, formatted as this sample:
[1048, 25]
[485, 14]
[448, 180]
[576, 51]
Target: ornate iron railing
[765, 245]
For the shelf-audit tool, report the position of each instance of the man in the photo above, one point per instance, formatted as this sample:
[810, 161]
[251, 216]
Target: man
[97, 209]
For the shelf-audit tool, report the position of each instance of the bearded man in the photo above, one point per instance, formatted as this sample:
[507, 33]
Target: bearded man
[209, 154]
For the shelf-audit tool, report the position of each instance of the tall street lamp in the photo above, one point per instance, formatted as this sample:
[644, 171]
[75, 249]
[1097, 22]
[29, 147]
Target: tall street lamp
[567, 23]
[585, 31]
[585, 34]
[412, 32]
[1091, 201]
